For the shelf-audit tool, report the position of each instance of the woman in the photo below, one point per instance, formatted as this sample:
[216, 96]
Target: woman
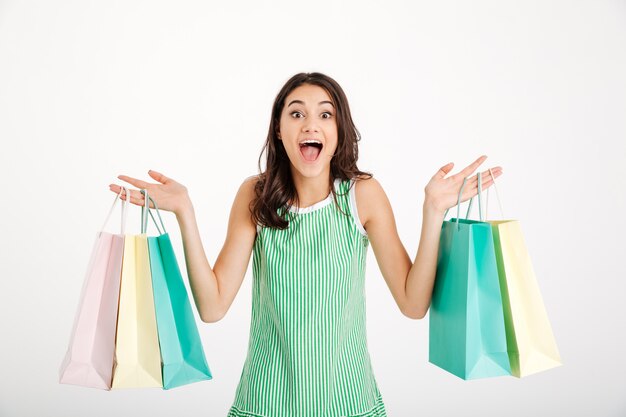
[309, 219]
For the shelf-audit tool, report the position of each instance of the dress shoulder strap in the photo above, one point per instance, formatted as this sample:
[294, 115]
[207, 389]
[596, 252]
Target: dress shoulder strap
[351, 184]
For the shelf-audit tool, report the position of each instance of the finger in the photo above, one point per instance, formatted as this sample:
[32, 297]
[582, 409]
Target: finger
[133, 181]
[117, 188]
[158, 176]
[444, 170]
[135, 195]
[487, 180]
[485, 176]
[469, 170]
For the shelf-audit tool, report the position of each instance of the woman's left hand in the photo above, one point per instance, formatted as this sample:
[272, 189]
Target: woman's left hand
[442, 193]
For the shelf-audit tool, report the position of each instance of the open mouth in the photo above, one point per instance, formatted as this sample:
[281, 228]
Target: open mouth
[311, 151]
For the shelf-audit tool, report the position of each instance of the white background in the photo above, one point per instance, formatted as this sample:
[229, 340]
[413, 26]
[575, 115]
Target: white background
[90, 90]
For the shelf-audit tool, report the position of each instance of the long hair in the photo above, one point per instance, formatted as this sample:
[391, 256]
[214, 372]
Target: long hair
[275, 188]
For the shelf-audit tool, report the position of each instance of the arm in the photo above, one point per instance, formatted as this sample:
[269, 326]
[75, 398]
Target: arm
[214, 289]
[411, 283]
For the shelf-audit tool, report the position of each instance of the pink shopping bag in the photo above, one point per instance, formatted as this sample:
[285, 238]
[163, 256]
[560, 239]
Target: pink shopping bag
[89, 358]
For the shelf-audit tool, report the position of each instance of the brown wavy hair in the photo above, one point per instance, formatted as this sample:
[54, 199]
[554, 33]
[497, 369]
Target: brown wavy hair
[275, 188]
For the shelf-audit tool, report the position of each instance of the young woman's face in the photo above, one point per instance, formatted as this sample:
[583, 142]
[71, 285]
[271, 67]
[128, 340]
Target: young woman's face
[309, 114]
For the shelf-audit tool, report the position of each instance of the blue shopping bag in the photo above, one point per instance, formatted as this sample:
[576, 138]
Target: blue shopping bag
[182, 355]
[466, 321]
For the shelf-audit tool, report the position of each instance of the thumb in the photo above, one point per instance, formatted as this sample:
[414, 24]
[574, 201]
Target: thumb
[444, 170]
[158, 176]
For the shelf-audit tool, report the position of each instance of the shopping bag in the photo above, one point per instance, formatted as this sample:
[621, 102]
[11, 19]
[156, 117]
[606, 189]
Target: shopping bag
[137, 352]
[531, 344]
[466, 322]
[89, 358]
[182, 354]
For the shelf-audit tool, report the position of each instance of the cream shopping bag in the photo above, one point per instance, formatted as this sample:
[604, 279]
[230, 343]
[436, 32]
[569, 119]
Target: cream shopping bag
[137, 352]
[531, 344]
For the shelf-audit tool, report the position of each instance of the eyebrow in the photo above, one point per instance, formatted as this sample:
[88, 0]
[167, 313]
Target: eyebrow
[302, 102]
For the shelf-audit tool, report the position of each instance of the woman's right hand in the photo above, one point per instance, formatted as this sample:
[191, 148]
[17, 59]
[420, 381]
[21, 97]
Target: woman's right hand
[168, 194]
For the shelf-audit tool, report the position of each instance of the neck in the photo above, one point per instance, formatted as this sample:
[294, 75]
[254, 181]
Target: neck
[311, 190]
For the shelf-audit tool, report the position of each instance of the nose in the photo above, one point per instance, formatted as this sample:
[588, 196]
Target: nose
[310, 126]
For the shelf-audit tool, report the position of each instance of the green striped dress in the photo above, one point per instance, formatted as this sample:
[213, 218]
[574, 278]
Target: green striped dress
[307, 354]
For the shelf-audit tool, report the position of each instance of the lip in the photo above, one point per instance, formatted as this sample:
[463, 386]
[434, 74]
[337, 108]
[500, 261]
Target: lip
[317, 139]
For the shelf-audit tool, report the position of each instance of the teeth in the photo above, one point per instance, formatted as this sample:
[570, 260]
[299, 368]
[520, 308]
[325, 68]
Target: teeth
[310, 141]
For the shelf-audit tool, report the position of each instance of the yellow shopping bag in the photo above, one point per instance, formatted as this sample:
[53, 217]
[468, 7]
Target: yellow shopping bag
[530, 342]
[137, 352]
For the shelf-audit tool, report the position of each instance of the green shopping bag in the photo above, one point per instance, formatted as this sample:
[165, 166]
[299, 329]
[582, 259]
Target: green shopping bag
[182, 355]
[466, 321]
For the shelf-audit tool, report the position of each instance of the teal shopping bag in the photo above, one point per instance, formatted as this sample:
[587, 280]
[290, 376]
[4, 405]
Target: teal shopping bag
[466, 323]
[182, 355]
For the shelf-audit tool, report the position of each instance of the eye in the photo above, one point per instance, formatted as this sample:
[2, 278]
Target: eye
[294, 113]
[329, 115]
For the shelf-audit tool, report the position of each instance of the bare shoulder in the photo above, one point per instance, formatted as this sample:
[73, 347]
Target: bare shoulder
[251, 180]
[370, 196]
[245, 196]
[248, 185]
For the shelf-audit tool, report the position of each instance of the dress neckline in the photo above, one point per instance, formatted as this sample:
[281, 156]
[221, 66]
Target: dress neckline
[318, 205]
